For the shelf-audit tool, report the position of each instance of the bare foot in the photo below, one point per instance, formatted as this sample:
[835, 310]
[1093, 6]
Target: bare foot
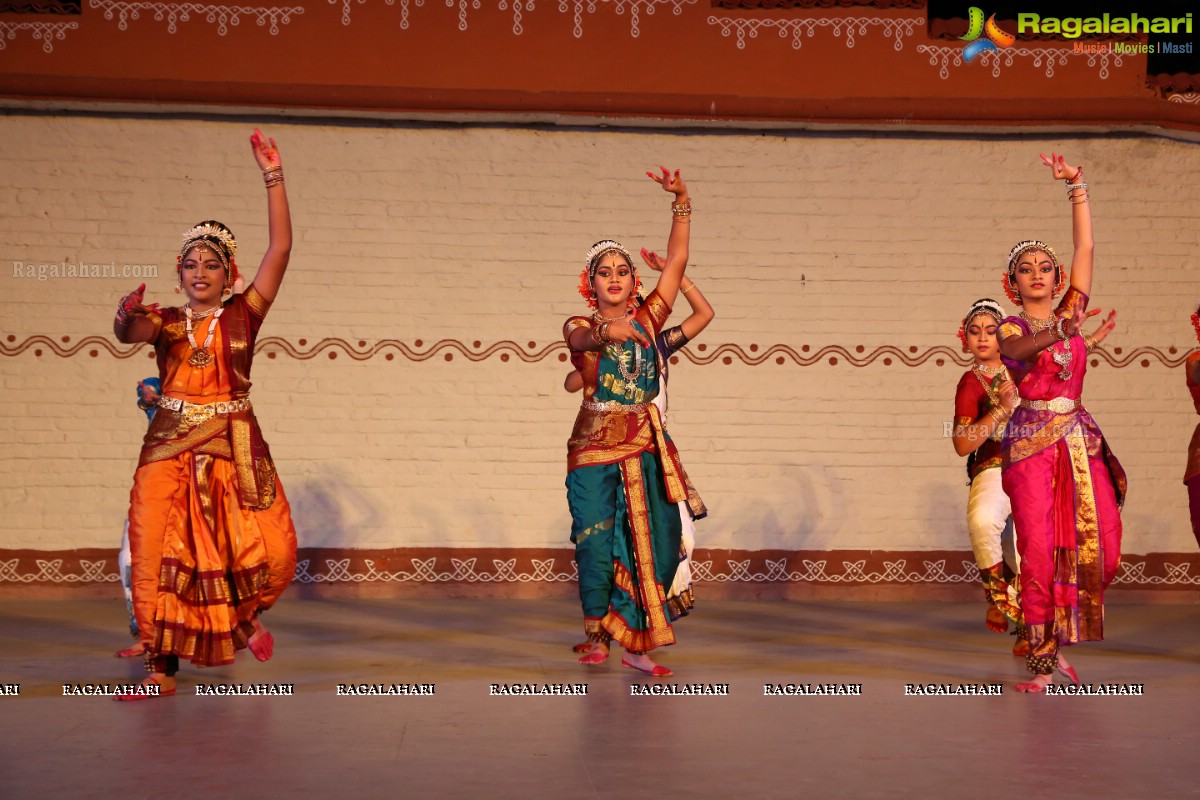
[1038, 684]
[582, 647]
[135, 651]
[597, 654]
[643, 663]
[996, 621]
[261, 642]
[165, 684]
[1066, 669]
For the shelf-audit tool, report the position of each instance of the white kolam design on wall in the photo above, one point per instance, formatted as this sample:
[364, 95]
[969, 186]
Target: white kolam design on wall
[744, 29]
[946, 57]
[44, 32]
[176, 14]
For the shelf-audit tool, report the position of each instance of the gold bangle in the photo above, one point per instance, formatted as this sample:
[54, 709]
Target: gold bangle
[688, 289]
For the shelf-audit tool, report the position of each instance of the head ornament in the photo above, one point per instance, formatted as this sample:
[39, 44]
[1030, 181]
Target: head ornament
[591, 262]
[1014, 255]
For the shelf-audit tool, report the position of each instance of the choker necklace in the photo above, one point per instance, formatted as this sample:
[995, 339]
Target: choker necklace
[600, 318]
[1038, 324]
[201, 356]
[201, 314]
[991, 372]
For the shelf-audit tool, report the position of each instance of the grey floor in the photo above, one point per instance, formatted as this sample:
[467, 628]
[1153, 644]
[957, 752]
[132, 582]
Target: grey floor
[463, 743]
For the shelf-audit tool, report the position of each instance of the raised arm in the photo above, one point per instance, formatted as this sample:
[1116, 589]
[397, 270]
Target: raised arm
[279, 218]
[702, 310]
[677, 243]
[1081, 221]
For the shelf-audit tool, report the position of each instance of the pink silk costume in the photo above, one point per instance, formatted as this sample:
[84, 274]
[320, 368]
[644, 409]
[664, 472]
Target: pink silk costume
[1066, 488]
[211, 535]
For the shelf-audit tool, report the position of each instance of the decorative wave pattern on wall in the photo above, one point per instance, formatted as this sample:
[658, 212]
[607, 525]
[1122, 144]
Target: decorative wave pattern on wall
[532, 352]
[450, 566]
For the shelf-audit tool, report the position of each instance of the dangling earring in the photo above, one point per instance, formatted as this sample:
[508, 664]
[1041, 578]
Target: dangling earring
[227, 291]
[178, 288]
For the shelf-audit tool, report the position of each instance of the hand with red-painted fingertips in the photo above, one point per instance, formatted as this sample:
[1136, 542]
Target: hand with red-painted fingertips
[1073, 325]
[147, 394]
[1060, 169]
[1106, 327]
[132, 304]
[622, 331]
[671, 182]
[653, 260]
[266, 153]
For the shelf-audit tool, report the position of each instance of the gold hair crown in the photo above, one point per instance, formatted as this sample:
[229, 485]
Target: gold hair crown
[208, 230]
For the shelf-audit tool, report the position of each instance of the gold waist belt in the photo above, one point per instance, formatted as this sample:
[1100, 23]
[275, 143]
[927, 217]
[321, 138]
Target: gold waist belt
[196, 413]
[613, 405]
[1059, 405]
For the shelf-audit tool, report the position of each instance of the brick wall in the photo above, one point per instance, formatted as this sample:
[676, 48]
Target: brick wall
[447, 240]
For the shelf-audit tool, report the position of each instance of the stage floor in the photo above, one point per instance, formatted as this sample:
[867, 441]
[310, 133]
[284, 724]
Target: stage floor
[462, 741]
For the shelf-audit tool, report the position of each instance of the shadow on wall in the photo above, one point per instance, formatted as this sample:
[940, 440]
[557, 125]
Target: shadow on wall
[329, 510]
[807, 514]
[944, 511]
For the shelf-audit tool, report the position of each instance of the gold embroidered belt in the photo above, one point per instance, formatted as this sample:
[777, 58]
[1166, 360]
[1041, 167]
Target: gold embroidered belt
[613, 405]
[1059, 405]
[197, 413]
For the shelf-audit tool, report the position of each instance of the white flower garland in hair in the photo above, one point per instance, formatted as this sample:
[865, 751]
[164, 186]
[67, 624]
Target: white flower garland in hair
[989, 306]
[603, 247]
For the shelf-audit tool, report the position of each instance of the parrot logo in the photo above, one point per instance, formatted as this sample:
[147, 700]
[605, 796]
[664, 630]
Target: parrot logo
[996, 38]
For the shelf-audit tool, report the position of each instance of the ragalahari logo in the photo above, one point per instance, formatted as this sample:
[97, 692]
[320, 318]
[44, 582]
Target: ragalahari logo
[996, 38]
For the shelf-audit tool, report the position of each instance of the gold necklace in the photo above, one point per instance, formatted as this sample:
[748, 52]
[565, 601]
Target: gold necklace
[991, 372]
[596, 316]
[1038, 324]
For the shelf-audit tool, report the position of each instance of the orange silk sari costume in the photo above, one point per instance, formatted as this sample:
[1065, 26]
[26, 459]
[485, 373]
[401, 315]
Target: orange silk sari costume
[210, 530]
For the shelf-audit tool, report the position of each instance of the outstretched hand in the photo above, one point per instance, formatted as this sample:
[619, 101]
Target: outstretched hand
[653, 260]
[1061, 170]
[265, 151]
[132, 302]
[1073, 325]
[1106, 327]
[670, 181]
